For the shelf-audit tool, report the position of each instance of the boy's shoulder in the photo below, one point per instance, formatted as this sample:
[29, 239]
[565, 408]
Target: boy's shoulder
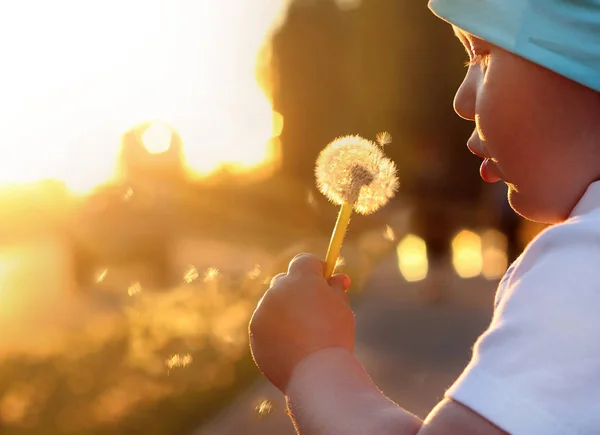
[535, 370]
[578, 232]
[568, 252]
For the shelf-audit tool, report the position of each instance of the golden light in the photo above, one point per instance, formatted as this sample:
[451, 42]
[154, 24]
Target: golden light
[412, 258]
[4, 272]
[88, 73]
[157, 138]
[494, 251]
[466, 254]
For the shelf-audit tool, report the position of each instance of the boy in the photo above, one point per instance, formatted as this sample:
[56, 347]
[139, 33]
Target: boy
[533, 90]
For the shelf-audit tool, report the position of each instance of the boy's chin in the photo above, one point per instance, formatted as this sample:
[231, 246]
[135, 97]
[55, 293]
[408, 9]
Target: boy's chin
[531, 207]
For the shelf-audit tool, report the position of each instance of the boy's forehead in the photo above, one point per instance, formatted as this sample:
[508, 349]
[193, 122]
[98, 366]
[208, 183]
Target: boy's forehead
[563, 36]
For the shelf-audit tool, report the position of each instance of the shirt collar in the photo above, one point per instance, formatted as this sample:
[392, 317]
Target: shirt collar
[589, 201]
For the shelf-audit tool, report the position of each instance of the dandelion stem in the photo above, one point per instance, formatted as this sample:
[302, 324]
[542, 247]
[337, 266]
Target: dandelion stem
[337, 238]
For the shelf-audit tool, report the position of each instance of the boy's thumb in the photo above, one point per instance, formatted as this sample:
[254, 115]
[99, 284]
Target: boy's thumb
[340, 282]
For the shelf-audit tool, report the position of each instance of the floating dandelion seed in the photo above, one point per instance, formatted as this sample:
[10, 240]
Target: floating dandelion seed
[128, 194]
[101, 276]
[389, 234]
[186, 360]
[354, 173]
[255, 273]
[172, 362]
[178, 361]
[134, 289]
[383, 138]
[211, 274]
[311, 199]
[264, 408]
[191, 275]
[340, 262]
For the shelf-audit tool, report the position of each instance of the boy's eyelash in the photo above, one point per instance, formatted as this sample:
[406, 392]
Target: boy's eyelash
[478, 59]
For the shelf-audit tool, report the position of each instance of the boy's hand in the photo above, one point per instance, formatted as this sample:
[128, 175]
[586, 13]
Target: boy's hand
[299, 314]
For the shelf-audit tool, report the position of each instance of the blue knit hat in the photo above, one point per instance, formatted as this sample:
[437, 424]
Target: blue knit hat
[563, 36]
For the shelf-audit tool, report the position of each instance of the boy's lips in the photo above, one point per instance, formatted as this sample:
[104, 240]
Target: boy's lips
[475, 151]
[488, 169]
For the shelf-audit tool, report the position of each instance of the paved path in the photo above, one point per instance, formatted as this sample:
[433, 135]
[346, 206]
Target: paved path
[412, 350]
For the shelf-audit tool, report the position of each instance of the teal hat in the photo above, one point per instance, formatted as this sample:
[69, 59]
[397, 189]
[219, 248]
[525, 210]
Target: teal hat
[563, 36]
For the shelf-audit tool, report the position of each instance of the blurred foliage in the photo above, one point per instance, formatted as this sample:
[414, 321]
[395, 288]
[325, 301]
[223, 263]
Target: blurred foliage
[124, 374]
[161, 362]
[164, 360]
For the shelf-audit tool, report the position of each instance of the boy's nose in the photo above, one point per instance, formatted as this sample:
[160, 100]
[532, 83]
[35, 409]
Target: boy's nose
[464, 100]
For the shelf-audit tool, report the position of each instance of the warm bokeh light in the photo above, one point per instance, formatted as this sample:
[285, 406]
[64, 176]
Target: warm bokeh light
[494, 246]
[157, 138]
[466, 254]
[412, 258]
[89, 72]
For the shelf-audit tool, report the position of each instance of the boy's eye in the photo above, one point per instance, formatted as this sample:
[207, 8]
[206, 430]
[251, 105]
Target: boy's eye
[481, 59]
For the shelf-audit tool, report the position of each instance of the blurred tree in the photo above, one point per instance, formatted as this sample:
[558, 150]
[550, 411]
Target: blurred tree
[382, 66]
[410, 63]
[307, 53]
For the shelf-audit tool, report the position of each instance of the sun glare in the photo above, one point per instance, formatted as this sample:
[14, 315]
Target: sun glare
[157, 138]
[84, 73]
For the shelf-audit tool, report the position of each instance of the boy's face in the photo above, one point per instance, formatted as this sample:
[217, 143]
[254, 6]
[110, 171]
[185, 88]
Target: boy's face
[539, 129]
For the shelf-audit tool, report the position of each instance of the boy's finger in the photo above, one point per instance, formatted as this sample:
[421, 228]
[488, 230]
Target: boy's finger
[306, 264]
[339, 284]
[341, 281]
[277, 278]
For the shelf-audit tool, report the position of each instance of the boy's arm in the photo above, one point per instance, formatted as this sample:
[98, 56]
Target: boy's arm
[330, 393]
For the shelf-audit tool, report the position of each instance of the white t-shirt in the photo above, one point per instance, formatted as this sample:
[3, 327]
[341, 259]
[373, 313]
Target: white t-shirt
[536, 370]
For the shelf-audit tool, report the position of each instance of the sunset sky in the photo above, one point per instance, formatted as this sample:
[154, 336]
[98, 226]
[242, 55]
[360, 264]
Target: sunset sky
[78, 74]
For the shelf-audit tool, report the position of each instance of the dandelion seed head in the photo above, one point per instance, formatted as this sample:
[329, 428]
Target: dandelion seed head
[355, 170]
[360, 177]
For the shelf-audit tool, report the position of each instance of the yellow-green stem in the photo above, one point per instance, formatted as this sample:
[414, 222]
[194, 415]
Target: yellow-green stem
[337, 238]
